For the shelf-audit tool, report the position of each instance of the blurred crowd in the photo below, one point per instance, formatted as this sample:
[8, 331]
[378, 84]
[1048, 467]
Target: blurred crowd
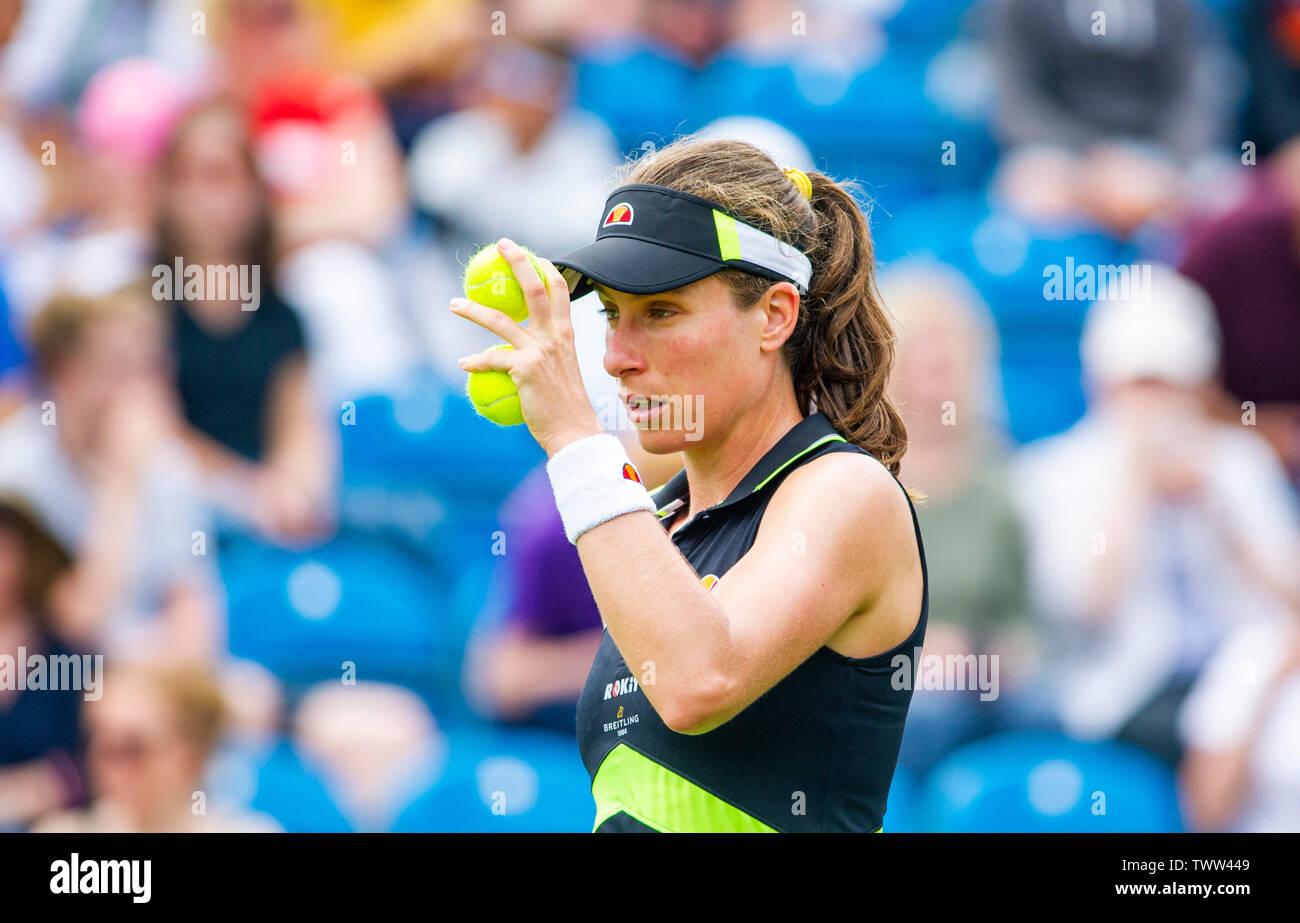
[237, 464]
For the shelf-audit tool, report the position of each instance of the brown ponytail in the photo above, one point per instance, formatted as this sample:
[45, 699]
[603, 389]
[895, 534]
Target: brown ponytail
[842, 349]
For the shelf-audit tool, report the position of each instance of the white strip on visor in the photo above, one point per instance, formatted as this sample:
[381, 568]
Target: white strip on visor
[740, 241]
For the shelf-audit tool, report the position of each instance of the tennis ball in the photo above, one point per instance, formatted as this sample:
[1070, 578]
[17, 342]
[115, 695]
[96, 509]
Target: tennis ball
[494, 396]
[489, 280]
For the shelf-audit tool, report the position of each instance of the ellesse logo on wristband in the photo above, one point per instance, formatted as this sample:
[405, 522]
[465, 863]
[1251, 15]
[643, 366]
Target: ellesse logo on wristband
[630, 472]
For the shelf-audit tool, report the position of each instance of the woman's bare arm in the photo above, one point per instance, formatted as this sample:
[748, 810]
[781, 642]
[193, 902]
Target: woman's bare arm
[703, 656]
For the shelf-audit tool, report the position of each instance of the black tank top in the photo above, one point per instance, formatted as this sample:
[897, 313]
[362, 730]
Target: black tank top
[816, 752]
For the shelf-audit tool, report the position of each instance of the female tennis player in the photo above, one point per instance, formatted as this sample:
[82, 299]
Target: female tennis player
[763, 607]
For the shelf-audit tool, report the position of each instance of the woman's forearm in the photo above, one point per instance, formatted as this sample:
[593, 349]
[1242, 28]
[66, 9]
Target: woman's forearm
[671, 632]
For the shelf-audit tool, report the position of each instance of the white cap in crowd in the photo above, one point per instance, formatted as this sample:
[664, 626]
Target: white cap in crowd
[1164, 329]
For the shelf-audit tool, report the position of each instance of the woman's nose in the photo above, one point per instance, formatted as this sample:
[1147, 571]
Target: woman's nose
[622, 354]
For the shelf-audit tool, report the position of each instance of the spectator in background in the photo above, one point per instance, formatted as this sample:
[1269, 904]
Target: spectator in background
[60, 45]
[1112, 187]
[25, 190]
[1248, 261]
[1101, 107]
[256, 40]
[529, 663]
[658, 78]
[39, 746]
[1072, 75]
[1152, 529]
[1272, 53]
[391, 45]
[693, 31]
[122, 123]
[97, 454]
[376, 746]
[242, 374]
[148, 740]
[13, 363]
[537, 174]
[1241, 729]
[327, 151]
[946, 385]
[400, 41]
[539, 165]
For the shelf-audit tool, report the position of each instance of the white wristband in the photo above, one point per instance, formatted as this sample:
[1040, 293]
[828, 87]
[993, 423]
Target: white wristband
[594, 480]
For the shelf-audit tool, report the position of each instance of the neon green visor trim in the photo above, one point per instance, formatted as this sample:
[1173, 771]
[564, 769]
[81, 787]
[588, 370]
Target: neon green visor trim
[740, 241]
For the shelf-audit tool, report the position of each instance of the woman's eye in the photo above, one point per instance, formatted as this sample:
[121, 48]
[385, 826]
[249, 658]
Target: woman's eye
[612, 313]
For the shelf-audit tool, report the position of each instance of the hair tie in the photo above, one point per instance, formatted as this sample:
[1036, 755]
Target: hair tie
[800, 180]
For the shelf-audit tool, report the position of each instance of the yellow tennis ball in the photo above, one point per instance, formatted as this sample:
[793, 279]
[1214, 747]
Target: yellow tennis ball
[494, 396]
[489, 280]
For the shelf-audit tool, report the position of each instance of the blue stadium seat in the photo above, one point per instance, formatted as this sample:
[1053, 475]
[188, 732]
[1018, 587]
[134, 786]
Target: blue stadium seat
[875, 124]
[501, 779]
[1005, 258]
[423, 468]
[424, 473]
[1041, 370]
[355, 598]
[276, 783]
[428, 435]
[1034, 782]
[927, 25]
[611, 82]
[939, 227]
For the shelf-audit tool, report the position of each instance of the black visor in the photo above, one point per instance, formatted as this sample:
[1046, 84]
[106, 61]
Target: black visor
[652, 239]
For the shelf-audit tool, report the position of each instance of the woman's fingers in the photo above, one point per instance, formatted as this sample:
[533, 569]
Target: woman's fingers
[561, 320]
[548, 298]
[502, 360]
[535, 295]
[492, 319]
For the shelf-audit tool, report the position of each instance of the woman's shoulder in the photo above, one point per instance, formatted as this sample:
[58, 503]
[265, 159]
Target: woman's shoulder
[856, 472]
[851, 484]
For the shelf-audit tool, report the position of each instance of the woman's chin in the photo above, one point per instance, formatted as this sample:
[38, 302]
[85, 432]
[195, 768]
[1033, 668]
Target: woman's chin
[662, 441]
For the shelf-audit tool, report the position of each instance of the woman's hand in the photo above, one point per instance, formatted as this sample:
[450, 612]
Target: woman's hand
[139, 421]
[544, 361]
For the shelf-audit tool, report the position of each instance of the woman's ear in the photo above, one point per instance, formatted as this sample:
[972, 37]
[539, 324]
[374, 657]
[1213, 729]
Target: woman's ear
[780, 313]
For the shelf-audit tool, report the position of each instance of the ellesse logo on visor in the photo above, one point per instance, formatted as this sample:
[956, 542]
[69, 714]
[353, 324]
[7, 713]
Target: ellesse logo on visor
[619, 214]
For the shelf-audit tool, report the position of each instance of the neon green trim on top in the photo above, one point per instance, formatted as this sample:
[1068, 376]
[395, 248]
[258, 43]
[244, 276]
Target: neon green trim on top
[662, 800]
[728, 237]
[833, 437]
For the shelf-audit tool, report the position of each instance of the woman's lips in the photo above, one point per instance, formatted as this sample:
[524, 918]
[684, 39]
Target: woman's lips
[641, 410]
